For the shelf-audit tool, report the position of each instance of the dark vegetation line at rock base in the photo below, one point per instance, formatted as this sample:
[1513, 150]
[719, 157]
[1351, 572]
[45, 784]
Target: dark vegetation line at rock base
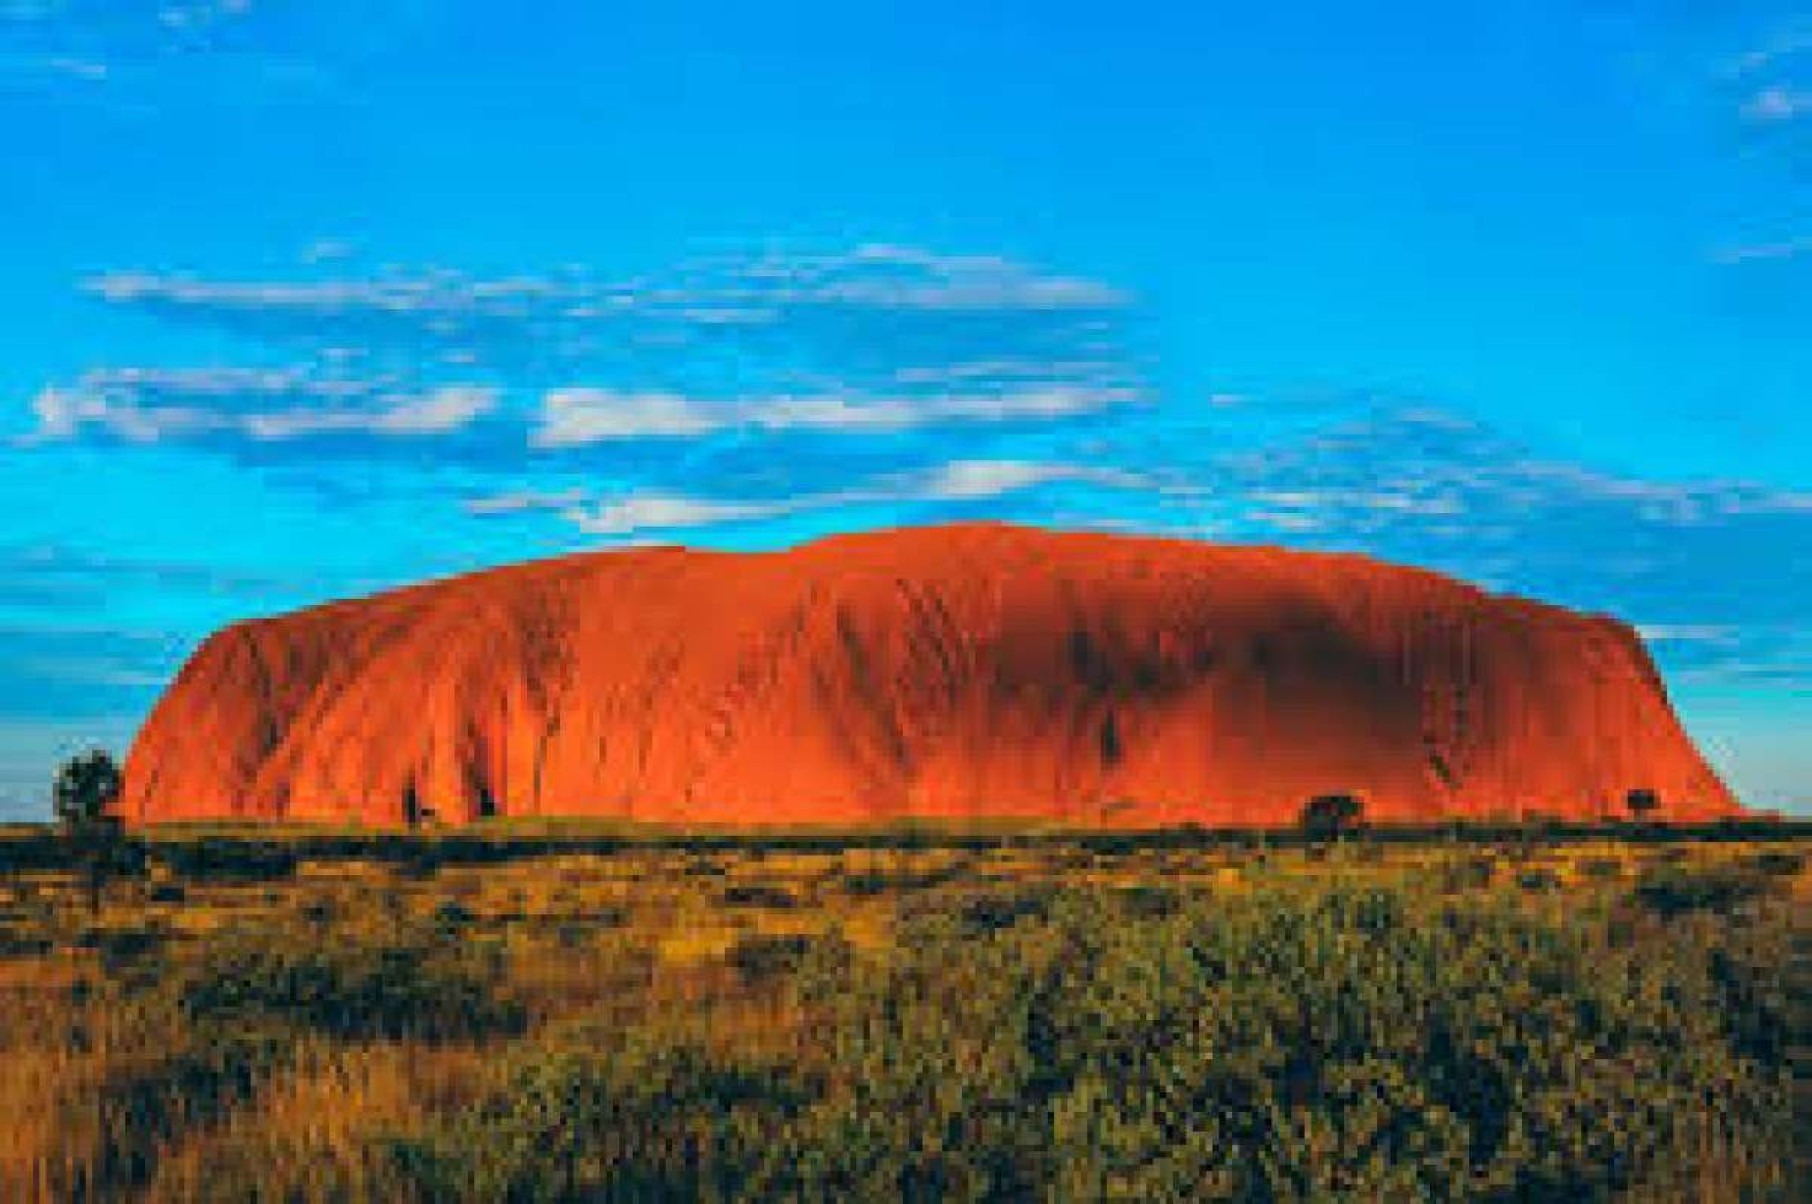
[202, 846]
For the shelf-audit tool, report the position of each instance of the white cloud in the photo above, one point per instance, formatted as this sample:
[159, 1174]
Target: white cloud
[133, 405]
[519, 501]
[201, 12]
[575, 417]
[433, 293]
[327, 250]
[889, 276]
[641, 511]
[579, 416]
[1786, 43]
[1405, 500]
[1686, 633]
[86, 41]
[873, 340]
[726, 290]
[638, 512]
[1440, 466]
[439, 411]
[1004, 370]
[219, 383]
[1777, 103]
[62, 413]
[902, 413]
[1787, 248]
[971, 480]
[77, 68]
[91, 671]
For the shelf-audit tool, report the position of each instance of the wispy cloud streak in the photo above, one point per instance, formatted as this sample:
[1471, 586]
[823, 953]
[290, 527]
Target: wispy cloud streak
[140, 406]
[640, 511]
[582, 416]
[868, 342]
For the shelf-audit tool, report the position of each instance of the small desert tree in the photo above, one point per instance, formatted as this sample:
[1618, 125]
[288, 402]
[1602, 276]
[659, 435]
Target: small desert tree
[1642, 803]
[1331, 816]
[85, 787]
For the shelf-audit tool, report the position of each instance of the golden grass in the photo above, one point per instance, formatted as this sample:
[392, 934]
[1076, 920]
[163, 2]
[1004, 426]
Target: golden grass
[642, 931]
[312, 1123]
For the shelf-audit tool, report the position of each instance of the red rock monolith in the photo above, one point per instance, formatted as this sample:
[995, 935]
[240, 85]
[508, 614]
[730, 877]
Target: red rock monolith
[963, 671]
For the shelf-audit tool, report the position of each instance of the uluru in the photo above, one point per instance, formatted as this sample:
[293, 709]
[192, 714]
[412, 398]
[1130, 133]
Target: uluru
[949, 672]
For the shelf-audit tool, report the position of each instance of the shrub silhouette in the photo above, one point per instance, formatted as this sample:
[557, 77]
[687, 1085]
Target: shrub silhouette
[1786, 865]
[85, 786]
[1602, 868]
[1539, 880]
[1330, 816]
[1642, 803]
[758, 894]
[1672, 890]
[763, 958]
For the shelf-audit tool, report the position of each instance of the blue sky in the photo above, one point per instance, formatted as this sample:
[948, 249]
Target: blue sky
[303, 300]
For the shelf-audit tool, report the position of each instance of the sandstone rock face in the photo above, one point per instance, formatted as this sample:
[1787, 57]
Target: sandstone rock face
[963, 671]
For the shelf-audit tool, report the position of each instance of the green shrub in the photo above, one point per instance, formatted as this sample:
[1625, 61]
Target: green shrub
[160, 1080]
[120, 948]
[1355, 1047]
[1601, 868]
[428, 983]
[1347, 1044]
[760, 958]
[1468, 874]
[22, 944]
[993, 912]
[1538, 880]
[758, 894]
[1785, 865]
[1673, 889]
[675, 1122]
[1149, 902]
[453, 914]
[865, 883]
